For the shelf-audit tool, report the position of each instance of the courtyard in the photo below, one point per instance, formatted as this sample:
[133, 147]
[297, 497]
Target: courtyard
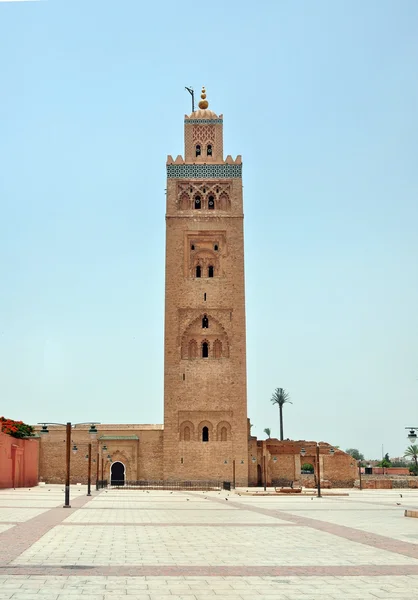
[157, 545]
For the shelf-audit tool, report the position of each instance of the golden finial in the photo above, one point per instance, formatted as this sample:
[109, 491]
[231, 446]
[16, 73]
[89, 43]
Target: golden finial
[203, 103]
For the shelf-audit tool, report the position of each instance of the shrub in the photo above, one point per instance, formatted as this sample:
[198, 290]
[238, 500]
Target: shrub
[17, 429]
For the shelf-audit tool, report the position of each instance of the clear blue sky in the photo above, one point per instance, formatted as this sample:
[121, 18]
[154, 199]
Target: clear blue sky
[320, 98]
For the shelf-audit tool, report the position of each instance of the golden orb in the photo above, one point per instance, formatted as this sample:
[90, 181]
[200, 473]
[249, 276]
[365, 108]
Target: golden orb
[203, 103]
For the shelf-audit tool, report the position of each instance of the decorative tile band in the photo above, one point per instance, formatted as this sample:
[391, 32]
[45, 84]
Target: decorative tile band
[204, 171]
[203, 121]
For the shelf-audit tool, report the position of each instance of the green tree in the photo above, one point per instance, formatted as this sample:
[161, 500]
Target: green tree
[385, 463]
[356, 454]
[280, 397]
[267, 431]
[412, 452]
[307, 467]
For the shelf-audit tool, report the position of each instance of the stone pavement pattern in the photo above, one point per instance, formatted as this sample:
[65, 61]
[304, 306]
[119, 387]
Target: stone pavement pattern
[160, 545]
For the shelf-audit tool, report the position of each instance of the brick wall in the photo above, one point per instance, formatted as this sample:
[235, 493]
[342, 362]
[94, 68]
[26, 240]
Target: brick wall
[18, 462]
[284, 462]
[142, 458]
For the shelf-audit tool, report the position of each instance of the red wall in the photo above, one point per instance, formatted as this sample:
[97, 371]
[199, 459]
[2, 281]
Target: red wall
[18, 462]
[390, 471]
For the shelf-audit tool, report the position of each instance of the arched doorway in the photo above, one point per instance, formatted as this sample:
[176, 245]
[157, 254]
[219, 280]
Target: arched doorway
[117, 473]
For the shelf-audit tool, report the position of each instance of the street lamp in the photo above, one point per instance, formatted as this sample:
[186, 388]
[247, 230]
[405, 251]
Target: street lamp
[412, 436]
[68, 427]
[318, 466]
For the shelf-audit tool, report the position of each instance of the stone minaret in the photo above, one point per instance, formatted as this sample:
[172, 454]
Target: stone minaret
[205, 399]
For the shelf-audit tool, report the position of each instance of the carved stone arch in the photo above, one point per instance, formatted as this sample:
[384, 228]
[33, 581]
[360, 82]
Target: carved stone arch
[120, 456]
[192, 350]
[206, 258]
[197, 200]
[205, 348]
[217, 348]
[184, 201]
[224, 201]
[211, 201]
[215, 327]
[189, 348]
[187, 433]
[200, 431]
[223, 431]
[214, 335]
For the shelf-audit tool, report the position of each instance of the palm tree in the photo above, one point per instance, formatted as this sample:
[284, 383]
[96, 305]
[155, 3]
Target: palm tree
[267, 431]
[280, 397]
[412, 451]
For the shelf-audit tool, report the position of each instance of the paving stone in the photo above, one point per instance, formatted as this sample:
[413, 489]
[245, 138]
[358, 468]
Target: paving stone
[153, 546]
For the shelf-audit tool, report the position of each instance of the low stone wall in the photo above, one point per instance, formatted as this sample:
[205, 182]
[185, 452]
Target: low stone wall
[345, 483]
[387, 483]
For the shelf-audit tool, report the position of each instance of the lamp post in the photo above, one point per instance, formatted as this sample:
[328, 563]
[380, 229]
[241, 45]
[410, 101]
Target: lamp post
[89, 472]
[359, 475]
[97, 468]
[104, 449]
[318, 466]
[68, 427]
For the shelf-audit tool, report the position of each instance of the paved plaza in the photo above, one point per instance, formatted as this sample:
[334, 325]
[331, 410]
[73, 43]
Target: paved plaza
[162, 545]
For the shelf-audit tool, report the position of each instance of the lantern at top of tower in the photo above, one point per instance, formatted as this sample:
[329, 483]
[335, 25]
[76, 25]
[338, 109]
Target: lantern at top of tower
[203, 134]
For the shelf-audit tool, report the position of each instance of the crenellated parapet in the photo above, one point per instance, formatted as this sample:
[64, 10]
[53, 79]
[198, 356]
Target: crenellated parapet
[180, 160]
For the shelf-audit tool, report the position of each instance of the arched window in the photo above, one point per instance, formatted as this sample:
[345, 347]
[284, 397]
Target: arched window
[192, 349]
[224, 434]
[198, 271]
[197, 202]
[205, 322]
[186, 434]
[205, 350]
[209, 150]
[216, 248]
[217, 349]
[198, 150]
[211, 203]
[205, 434]
[210, 271]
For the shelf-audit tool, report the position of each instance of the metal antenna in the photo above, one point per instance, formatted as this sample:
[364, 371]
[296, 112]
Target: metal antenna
[191, 92]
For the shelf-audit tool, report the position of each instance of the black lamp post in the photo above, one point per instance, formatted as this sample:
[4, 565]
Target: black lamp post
[318, 466]
[68, 427]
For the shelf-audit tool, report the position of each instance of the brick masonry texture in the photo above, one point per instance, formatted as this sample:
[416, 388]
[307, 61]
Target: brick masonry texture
[205, 392]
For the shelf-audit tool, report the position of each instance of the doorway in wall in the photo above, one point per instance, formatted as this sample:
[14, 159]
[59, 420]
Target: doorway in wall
[117, 473]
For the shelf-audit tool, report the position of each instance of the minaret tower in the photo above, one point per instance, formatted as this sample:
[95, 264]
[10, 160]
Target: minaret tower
[205, 398]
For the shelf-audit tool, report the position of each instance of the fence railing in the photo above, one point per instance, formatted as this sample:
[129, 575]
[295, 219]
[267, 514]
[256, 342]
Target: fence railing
[101, 483]
[169, 485]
